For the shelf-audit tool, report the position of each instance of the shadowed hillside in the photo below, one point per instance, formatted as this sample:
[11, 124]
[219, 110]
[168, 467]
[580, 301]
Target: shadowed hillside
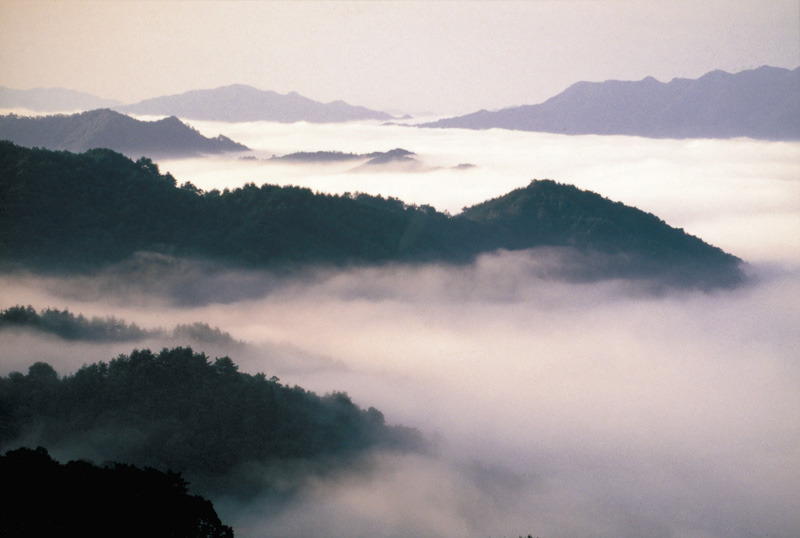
[179, 411]
[46, 498]
[63, 211]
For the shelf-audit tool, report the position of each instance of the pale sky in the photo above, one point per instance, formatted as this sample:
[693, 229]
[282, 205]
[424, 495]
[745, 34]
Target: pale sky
[398, 56]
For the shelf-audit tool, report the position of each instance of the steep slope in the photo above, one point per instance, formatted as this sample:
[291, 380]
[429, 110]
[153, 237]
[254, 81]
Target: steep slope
[104, 128]
[52, 100]
[762, 103]
[78, 212]
[244, 103]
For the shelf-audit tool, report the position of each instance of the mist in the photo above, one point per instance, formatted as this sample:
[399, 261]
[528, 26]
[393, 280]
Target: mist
[555, 407]
[742, 195]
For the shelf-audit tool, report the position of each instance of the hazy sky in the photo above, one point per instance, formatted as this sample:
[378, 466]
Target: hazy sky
[430, 56]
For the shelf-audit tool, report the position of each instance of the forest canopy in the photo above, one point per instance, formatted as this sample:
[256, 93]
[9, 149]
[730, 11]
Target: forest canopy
[78, 212]
[67, 326]
[179, 411]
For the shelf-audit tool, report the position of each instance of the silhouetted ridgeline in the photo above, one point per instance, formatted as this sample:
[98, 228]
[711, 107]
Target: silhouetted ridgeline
[239, 102]
[761, 103]
[376, 157]
[62, 211]
[226, 431]
[68, 326]
[52, 100]
[103, 128]
[44, 498]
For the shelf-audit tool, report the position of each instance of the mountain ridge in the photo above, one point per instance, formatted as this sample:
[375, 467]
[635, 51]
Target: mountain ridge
[240, 103]
[64, 211]
[762, 103]
[52, 100]
[167, 137]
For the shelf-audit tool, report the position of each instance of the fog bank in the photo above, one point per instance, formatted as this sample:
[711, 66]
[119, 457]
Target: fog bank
[742, 195]
[556, 407]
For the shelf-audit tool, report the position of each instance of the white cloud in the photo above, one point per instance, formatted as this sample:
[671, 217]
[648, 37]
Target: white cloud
[559, 409]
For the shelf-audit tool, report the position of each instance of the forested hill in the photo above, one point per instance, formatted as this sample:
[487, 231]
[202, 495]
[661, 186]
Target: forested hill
[179, 411]
[104, 128]
[65, 211]
[761, 103]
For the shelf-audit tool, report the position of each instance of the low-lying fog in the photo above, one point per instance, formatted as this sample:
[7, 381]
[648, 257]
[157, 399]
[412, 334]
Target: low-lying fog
[556, 409]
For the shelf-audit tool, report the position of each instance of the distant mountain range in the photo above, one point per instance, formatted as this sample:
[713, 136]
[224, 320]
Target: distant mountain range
[238, 102]
[52, 100]
[65, 211]
[762, 103]
[168, 137]
[373, 158]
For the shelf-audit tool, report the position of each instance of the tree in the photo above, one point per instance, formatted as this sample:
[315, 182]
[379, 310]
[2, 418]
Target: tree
[45, 498]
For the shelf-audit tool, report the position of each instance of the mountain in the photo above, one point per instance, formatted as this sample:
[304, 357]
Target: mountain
[373, 158]
[761, 103]
[245, 103]
[546, 213]
[63, 211]
[105, 128]
[52, 100]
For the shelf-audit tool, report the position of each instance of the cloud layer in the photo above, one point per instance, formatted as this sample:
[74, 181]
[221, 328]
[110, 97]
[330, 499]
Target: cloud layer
[556, 408]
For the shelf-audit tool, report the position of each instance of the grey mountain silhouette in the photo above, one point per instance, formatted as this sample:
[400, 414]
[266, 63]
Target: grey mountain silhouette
[761, 103]
[52, 100]
[239, 102]
[105, 128]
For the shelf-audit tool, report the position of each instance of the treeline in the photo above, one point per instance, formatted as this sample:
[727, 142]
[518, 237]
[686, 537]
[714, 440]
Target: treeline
[42, 497]
[69, 211]
[80, 211]
[66, 325]
[178, 410]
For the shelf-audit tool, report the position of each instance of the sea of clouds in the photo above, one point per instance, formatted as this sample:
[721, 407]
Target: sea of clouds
[555, 408]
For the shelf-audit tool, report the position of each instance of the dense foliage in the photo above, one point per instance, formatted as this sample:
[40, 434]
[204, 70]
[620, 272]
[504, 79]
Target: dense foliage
[177, 410]
[81, 211]
[558, 215]
[44, 498]
[66, 325]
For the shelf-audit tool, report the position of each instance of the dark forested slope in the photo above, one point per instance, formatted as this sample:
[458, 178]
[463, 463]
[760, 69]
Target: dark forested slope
[66, 211]
[42, 497]
[104, 128]
[546, 213]
[177, 410]
[67, 326]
